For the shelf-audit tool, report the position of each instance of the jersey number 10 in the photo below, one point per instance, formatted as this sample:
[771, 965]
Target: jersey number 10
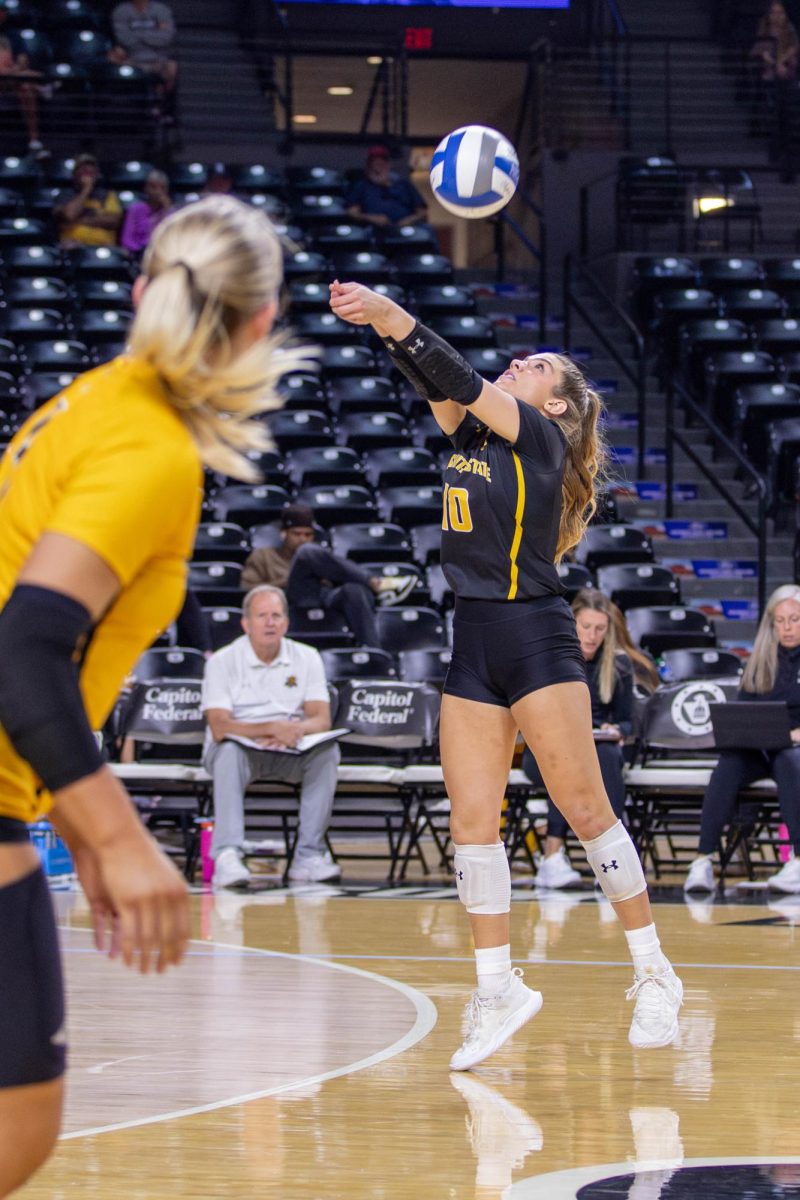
[455, 510]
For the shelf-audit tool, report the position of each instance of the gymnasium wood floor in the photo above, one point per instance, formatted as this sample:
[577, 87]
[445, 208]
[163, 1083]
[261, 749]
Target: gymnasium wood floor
[302, 1052]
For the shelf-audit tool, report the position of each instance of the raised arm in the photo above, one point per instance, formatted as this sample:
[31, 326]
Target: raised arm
[437, 370]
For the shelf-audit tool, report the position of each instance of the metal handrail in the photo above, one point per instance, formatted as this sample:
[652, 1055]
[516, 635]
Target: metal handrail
[504, 221]
[674, 437]
[637, 374]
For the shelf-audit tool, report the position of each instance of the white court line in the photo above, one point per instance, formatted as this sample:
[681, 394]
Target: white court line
[564, 1185]
[426, 1017]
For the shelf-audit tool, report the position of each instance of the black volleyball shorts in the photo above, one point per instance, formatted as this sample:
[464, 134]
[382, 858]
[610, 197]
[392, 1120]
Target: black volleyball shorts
[32, 1045]
[504, 650]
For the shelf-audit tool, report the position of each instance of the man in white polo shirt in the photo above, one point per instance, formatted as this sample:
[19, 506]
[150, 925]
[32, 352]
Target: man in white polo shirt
[271, 690]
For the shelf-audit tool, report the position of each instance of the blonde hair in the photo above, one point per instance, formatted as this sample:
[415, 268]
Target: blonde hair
[210, 268]
[595, 601]
[762, 666]
[644, 668]
[585, 462]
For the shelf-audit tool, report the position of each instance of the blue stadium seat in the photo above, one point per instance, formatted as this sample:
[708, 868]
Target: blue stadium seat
[422, 270]
[306, 297]
[407, 239]
[82, 47]
[365, 266]
[326, 329]
[95, 326]
[57, 355]
[315, 208]
[344, 237]
[100, 262]
[466, 332]
[754, 304]
[316, 180]
[308, 266]
[20, 231]
[104, 294]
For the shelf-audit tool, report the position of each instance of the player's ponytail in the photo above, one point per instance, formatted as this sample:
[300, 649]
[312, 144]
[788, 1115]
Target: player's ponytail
[211, 267]
[586, 456]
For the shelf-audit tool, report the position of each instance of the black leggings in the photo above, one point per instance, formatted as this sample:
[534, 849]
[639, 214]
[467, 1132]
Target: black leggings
[32, 1048]
[610, 757]
[734, 771]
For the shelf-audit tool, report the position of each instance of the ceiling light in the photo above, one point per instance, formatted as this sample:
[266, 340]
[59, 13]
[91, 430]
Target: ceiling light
[304, 119]
[374, 60]
[342, 90]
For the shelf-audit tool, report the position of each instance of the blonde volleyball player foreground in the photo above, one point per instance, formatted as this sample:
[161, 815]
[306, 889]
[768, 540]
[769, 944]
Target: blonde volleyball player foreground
[519, 490]
[99, 501]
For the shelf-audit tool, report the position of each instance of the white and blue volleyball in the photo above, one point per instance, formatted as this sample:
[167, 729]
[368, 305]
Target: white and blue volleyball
[474, 171]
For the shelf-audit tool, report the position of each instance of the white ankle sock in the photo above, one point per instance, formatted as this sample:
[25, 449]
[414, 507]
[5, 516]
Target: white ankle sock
[645, 950]
[494, 969]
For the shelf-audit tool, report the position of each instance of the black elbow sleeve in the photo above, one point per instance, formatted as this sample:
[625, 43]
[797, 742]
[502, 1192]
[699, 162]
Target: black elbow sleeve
[43, 635]
[408, 368]
[441, 365]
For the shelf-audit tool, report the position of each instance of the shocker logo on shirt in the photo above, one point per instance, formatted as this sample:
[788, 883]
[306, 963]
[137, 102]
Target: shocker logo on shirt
[291, 681]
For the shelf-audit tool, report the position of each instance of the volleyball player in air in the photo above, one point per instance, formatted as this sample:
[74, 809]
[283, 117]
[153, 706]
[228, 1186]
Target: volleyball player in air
[519, 489]
[99, 501]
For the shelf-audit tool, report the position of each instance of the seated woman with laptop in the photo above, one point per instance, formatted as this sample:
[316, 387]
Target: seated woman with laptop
[772, 675]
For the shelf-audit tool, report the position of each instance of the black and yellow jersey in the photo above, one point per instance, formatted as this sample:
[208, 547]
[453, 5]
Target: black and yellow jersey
[109, 463]
[502, 510]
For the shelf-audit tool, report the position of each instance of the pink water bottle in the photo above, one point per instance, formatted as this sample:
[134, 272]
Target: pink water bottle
[206, 861]
[784, 850]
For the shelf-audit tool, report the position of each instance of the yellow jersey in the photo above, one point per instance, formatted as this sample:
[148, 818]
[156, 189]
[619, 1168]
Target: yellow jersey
[91, 235]
[110, 463]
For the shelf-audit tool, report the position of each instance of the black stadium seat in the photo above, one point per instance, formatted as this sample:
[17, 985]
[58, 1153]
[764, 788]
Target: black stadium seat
[631, 585]
[293, 430]
[573, 578]
[338, 504]
[602, 545]
[363, 663]
[424, 666]
[365, 432]
[250, 504]
[59, 354]
[319, 627]
[34, 324]
[224, 624]
[216, 583]
[411, 629]
[218, 541]
[324, 465]
[663, 628]
[411, 505]
[699, 662]
[376, 542]
[170, 662]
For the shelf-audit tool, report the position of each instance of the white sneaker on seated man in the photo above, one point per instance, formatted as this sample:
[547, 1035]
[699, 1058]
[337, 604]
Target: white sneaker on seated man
[271, 690]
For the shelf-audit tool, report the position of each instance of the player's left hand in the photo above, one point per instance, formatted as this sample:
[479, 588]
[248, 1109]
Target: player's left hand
[104, 918]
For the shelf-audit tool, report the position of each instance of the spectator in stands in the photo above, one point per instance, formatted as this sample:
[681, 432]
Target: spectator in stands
[89, 214]
[380, 198]
[777, 46]
[143, 215]
[772, 673]
[314, 577]
[645, 673]
[271, 690]
[19, 83]
[145, 35]
[219, 181]
[609, 674]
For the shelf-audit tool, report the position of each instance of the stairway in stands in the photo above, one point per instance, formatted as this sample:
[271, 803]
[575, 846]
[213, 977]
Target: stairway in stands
[736, 622]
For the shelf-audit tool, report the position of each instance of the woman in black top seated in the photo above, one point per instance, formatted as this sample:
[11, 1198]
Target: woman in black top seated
[609, 675]
[772, 673]
[518, 492]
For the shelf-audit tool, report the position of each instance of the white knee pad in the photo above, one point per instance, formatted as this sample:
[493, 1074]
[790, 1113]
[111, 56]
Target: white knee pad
[614, 860]
[483, 878]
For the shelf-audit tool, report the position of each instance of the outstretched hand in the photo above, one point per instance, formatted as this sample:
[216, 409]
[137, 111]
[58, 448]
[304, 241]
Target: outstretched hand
[359, 305]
